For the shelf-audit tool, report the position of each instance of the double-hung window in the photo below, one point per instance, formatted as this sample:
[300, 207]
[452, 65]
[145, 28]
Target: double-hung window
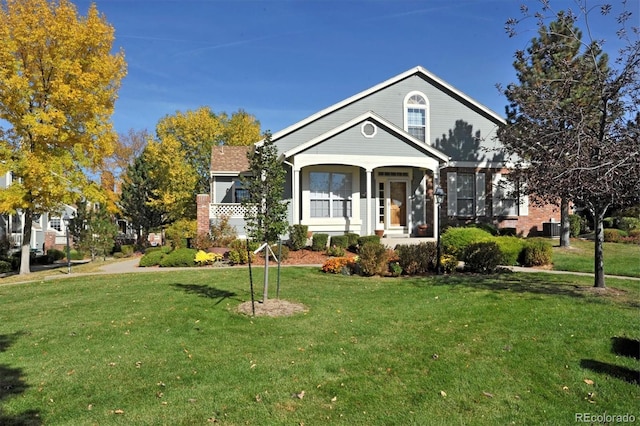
[330, 194]
[466, 194]
[508, 199]
[416, 116]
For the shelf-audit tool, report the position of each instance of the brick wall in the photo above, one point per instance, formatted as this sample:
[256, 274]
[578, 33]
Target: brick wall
[203, 201]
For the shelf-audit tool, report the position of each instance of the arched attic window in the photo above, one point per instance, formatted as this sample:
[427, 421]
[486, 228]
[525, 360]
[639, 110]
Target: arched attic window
[415, 115]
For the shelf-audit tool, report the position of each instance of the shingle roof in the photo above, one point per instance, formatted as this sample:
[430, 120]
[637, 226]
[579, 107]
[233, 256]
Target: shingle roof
[231, 159]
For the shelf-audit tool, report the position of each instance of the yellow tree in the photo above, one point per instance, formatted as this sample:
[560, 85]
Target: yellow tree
[58, 85]
[180, 155]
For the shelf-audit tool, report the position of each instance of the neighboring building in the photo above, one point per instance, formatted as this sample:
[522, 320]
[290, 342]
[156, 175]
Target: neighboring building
[48, 229]
[372, 161]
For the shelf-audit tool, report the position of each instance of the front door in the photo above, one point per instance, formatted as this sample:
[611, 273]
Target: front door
[398, 207]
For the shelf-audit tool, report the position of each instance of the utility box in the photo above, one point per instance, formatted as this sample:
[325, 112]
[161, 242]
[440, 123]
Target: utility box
[551, 229]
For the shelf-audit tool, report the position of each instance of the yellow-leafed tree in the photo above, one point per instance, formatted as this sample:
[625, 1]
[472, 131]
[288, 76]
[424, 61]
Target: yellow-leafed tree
[179, 157]
[58, 85]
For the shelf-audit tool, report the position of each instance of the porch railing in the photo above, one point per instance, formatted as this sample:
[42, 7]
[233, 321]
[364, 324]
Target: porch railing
[232, 210]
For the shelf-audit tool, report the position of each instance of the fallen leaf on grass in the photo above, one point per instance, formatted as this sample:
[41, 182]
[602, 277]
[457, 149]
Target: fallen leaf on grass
[334, 399]
[118, 411]
[487, 394]
[298, 395]
[588, 381]
[443, 393]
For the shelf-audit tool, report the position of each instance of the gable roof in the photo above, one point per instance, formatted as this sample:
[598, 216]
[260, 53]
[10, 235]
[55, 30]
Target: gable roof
[229, 160]
[369, 115]
[419, 70]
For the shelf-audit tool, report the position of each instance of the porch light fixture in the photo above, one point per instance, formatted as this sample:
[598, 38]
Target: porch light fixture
[439, 193]
[67, 220]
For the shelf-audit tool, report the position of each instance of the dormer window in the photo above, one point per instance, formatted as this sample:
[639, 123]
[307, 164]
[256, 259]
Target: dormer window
[416, 115]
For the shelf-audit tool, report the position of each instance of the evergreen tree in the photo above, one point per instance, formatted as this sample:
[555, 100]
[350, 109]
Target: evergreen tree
[137, 190]
[571, 119]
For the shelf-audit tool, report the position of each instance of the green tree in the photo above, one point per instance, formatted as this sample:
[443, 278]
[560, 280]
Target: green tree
[95, 230]
[138, 191]
[265, 210]
[572, 120]
[58, 85]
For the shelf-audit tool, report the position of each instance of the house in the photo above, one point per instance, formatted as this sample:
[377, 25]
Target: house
[373, 161]
[47, 231]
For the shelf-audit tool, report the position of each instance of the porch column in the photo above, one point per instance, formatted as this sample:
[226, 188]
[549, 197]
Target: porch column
[295, 196]
[369, 231]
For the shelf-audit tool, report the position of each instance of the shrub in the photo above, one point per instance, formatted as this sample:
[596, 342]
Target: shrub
[179, 258]
[319, 242]
[511, 249]
[55, 254]
[298, 237]
[352, 241]
[455, 240]
[629, 223]
[368, 239]
[373, 259]
[340, 241]
[152, 258]
[203, 242]
[536, 252]
[489, 227]
[127, 250]
[448, 263]
[5, 267]
[612, 235]
[203, 258]
[238, 254]
[417, 259]
[336, 251]
[575, 225]
[395, 270]
[337, 265]
[76, 254]
[221, 232]
[483, 257]
[180, 232]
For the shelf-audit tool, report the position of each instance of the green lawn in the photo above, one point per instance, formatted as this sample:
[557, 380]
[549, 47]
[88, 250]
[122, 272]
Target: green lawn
[168, 348]
[619, 259]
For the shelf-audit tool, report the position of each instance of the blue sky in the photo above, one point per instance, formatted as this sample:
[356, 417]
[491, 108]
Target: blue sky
[283, 60]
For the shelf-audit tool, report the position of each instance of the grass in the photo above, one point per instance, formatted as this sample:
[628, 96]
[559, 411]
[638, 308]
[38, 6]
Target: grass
[169, 349]
[619, 259]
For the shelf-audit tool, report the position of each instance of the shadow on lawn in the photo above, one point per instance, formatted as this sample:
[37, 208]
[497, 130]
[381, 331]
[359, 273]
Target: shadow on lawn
[12, 384]
[206, 291]
[518, 283]
[620, 346]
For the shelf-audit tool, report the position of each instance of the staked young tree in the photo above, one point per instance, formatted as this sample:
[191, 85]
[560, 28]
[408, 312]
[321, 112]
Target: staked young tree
[265, 210]
[572, 119]
[58, 85]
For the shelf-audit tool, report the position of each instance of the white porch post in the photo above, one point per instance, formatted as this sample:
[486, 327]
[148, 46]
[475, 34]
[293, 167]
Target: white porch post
[369, 231]
[295, 195]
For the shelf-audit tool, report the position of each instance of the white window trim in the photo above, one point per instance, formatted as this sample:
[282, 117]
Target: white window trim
[479, 201]
[375, 129]
[427, 111]
[355, 197]
[522, 202]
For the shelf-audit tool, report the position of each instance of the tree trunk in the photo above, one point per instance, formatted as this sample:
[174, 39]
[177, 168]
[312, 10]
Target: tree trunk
[265, 290]
[598, 217]
[25, 252]
[565, 224]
